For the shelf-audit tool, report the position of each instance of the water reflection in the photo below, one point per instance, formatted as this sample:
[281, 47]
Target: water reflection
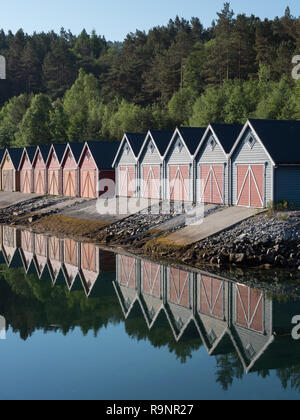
[243, 328]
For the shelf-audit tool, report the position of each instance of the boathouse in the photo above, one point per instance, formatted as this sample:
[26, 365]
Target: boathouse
[178, 160]
[70, 169]
[54, 169]
[126, 165]
[151, 163]
[26, 170]
[95, 164]
[39, 166]
[213, 165]
[10, 175]
[265, 163]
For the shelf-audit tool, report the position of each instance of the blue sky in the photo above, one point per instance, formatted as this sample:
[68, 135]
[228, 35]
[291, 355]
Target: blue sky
[115, 18]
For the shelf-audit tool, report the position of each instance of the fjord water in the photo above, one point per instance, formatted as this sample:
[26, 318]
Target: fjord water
[83, 323]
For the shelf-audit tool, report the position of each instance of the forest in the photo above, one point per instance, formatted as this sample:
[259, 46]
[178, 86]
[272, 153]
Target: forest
[63, 87]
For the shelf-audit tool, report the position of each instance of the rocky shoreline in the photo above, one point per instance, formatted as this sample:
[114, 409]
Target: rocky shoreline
[265, 241]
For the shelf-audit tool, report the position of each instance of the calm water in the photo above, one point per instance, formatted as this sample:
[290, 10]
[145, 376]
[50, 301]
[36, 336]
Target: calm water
[83, 323]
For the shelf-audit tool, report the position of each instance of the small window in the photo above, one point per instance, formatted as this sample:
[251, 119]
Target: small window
[179, 146]
[152, 313]
[127, 149]
[251, 142]
[151, 148]
[8, 158]
[180, 324]
[212, 337]
[88, 156]
[212, 143]
[250, 351]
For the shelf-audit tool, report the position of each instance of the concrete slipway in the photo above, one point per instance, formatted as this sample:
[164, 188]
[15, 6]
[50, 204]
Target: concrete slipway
[212, 224]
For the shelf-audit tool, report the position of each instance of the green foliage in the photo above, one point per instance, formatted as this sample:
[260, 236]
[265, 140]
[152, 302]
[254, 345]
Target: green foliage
[35, 126]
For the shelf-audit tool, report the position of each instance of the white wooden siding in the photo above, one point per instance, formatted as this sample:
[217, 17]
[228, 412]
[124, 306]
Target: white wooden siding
[244, 155]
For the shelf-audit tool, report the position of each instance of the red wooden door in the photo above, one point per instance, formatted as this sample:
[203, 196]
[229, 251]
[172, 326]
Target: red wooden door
[8, 180]
[53, 182]
[211, 297]
[212, 184]
[250, 185]
[151, 284]
[249, 308]
[39, 181]
[127, 181]
[179, 183]
[69, 182]
[151, 181]
[88, 184]
[179, 287]
[127, 272]
[26, 181]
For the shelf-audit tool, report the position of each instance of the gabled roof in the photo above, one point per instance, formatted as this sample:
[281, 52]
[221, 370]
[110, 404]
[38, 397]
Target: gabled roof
[103, 152]
[45, 150]
[30, 152]
[76, 149]
[59, 151]
[160, 138]
[2, 151]
[135, 141]
[281, 139]
[15, 155]
[192, 137]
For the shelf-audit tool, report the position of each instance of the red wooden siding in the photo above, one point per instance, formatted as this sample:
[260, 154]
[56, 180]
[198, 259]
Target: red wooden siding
[127, 181]
[71, 256]
[27, 247]
[211, 297]
[26, 181]
[250, 185]
[179, 183]
[54, 171]
[212, 184]
[69, 183]
[151, 179]
[249, 308]
[53, 182]
[88, 181]
[70, 187]
[89, 265]
[25, 175]
[88, 175]
[179, 287]
[127, 272]
[8, 180]
[151, 284]
[39, 175]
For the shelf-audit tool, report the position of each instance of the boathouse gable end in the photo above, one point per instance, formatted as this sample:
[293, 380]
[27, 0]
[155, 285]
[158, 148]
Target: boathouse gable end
[251, 171]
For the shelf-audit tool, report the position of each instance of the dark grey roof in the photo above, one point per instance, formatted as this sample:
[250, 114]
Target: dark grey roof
[15, 155]
[162, 139]
[77, 149]
[31, 152]
[192, 137]
[227, 134]
[104, 152]
[2, 151]
[136, 141]
[280, 138]
[59, 150]
[45, 152]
